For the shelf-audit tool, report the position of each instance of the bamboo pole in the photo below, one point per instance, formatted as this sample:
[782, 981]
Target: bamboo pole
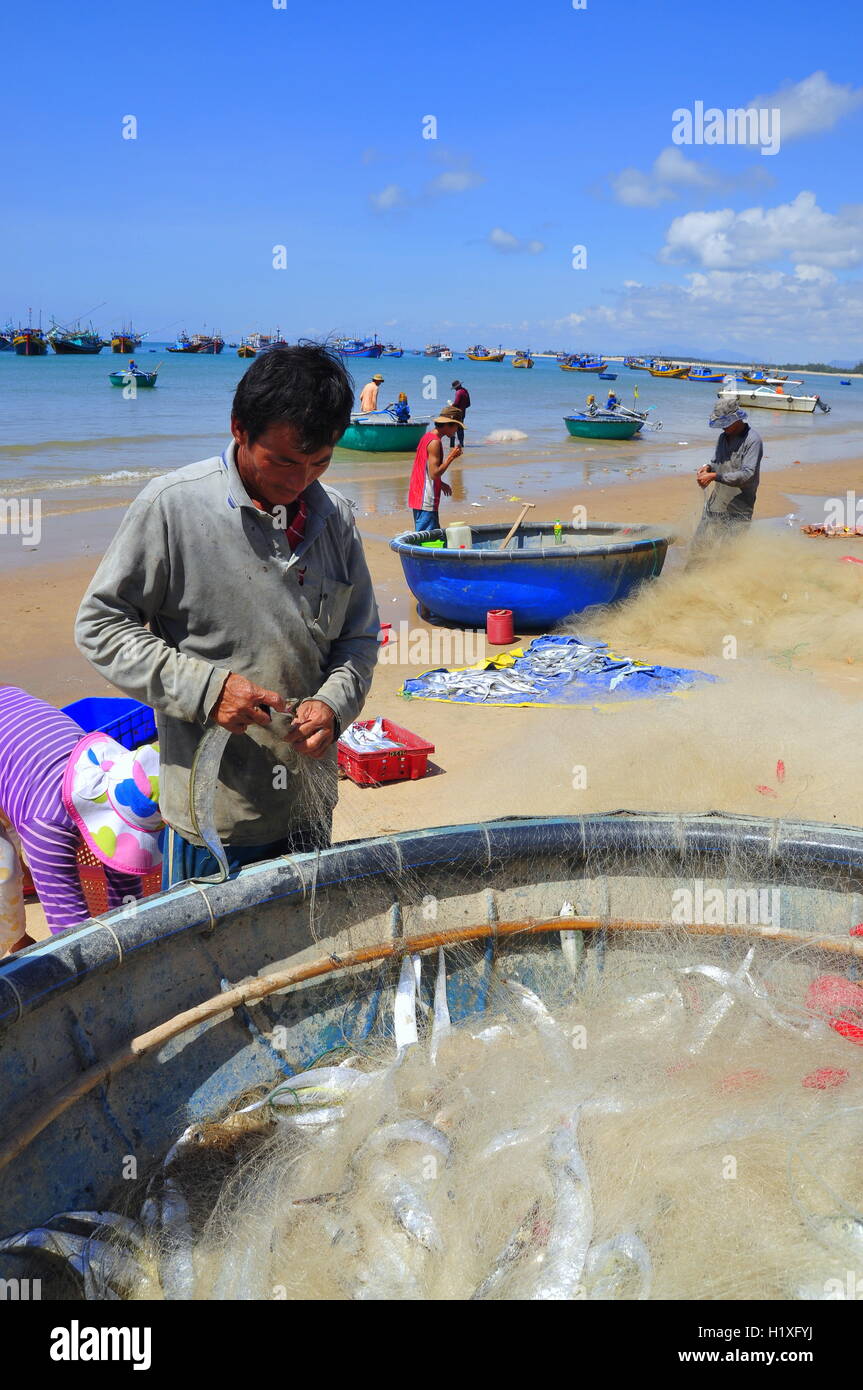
[138, 1047]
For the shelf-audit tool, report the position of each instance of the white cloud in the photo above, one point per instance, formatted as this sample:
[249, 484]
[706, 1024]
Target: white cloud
[811, 106]
[671, 175]
[786, 316]
[632, 284]
[455, 181]
[505, 241]
[390, 197]
[796, 231]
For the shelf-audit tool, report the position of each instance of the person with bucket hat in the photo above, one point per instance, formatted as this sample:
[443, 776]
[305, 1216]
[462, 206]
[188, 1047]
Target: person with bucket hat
[59, 785]
[430, 464]
[734, 473]
[369, 394]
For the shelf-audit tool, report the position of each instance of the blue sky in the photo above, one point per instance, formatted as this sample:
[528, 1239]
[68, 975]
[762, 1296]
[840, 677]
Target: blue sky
[303, 127]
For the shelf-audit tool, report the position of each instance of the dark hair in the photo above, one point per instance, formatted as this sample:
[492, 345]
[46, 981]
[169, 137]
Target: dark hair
[302, 384]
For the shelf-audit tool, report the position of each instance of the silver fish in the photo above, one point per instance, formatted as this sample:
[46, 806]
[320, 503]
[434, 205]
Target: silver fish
[572, 1220]
[524, 1238]
[408, 1207]
[441, 1024]
[412, 1131]
[610, 1264]
[545, 1024]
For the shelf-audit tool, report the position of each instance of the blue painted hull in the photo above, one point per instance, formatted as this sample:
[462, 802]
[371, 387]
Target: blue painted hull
[541, 586]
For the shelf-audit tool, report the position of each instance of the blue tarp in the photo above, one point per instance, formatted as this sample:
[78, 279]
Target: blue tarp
[553, 671]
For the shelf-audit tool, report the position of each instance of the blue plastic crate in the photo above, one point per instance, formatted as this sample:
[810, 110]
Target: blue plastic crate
[128, 721]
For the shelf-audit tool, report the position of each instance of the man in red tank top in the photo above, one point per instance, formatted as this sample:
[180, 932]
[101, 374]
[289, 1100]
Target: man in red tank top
[427, 483]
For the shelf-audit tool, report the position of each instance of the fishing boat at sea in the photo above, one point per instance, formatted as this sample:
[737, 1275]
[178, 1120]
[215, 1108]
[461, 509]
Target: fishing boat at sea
[30, 342]
[359, 347]
[638, 364]
[183, 344]
[126, 340]
[207, 343]
[766, 398]
[700, 373]
[380, 432]
[245, 349]
[434, 349]
[661, 369]
[446, 355]
[522, 359]
[608, 376]
[541, 579]
[7, 336]
[144, 380]
[583, 424]
[581, 362]
[75, 341]
[478, 353]
[391, 351]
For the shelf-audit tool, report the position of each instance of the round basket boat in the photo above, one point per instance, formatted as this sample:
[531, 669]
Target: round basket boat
[381, 434]
[119, 1032]
[540, 581]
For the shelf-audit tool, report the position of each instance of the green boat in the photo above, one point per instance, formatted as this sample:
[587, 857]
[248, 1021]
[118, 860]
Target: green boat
[141, 379]
[601, 426]
[379, 433]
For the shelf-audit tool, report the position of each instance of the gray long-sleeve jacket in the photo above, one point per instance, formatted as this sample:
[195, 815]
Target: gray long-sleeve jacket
[215, 579]
[737, 461]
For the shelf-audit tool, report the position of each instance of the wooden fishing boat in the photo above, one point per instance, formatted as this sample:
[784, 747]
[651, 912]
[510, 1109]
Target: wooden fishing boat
[608, 376]
[126, 341]
[434, 349]
[522, 359]
[359, 347]
[698, 373]
[478, 353]
[378, 432]
[638, 364]
[666, 369]
[580, 362]
[7, 339]
[599, 426]
[183, 344]
[207, 343]
[30, 342]
[391, 351]
[446, 355]
[75, 341]
[246, 350]
[143, 380]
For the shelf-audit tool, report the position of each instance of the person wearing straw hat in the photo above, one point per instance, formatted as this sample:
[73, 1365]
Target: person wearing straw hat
[59, 785]
[369, 394]
[430, 464]
[734, 473]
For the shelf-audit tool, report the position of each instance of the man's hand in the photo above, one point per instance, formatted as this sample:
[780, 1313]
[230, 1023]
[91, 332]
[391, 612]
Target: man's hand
[704, 477]
[455, 452]
[239, 705]
[313, 729]
[446, 489]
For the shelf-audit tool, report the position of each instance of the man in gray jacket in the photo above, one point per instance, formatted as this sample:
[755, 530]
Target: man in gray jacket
[734, 471]
[233, 587]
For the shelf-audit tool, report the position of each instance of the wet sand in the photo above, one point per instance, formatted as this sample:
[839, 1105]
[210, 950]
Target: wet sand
[488, 761]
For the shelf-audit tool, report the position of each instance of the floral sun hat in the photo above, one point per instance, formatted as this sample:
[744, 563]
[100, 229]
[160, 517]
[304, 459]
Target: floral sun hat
[112, 795]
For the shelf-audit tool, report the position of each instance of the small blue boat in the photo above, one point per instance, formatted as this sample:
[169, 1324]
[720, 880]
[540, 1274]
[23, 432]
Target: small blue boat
[541, 581]
[359, 347]
[845, 383]
[608, 376]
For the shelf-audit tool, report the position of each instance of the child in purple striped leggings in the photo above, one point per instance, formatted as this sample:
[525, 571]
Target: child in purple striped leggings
[36, 741]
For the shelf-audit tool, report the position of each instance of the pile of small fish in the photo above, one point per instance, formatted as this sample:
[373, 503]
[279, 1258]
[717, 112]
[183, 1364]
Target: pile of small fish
[668, 1127]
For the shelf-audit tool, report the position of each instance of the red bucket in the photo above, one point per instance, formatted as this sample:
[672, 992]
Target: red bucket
[498, 626]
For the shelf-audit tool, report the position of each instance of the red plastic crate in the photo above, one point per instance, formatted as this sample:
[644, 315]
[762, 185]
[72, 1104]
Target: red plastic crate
[91, 872]
[391, 764]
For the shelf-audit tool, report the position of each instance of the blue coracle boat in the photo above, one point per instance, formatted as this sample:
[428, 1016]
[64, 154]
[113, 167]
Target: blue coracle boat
[541, 581]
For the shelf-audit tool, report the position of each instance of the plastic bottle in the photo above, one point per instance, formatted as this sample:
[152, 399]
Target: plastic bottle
[558, 533]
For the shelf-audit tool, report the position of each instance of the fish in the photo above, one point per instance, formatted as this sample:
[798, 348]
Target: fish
[411, 1131]
[441, 1024]
[550, 1031]
[609, 1265]
[405, 1006]
[407, 1206]
[527, 1236]
[87, 1241]
[203, 781]
[571, 1223]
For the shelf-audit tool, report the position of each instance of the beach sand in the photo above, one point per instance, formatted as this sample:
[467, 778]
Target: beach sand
[493, 762]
